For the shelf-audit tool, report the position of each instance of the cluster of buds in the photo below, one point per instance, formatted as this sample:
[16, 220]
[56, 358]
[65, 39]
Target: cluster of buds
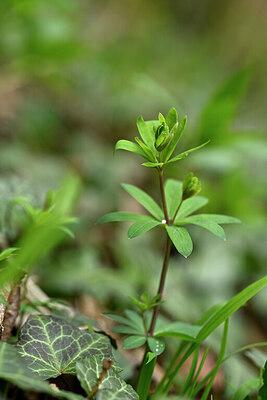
[163, 134]
[191, 186]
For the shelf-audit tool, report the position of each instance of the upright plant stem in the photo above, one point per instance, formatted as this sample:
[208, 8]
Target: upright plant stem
[146, 370]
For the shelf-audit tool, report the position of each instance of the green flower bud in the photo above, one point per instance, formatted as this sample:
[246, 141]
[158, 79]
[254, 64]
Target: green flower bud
[162, 137]
[191, 186]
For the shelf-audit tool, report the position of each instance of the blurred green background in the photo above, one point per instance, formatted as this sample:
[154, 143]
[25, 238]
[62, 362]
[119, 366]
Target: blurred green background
[74, 77]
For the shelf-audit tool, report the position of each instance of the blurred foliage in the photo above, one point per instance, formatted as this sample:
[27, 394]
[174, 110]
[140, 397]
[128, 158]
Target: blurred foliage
[74, 77]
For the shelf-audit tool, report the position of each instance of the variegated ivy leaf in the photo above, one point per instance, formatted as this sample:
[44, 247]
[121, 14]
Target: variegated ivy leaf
[51, 346]
[14, 370]
[112, 386]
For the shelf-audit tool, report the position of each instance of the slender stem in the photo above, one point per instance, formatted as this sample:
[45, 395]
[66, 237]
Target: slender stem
[161, 285]
[176, 212]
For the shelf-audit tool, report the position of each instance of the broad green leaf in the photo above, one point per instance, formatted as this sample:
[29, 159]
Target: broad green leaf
[186, 153]
[178, 329]
[112, 386]
[7, 253]
[244, 390]
[167, 152]
[140, 227]
[171, 118]
[181, 239]
[189, 206]
[130, 146]
[206, 223]
[150, 155]
[122, 216]
[230, 308]
[132, 342]
[143, 198]
[51, 346]
[173, 193]
[146, 133]
[157, 346]
[14, 370]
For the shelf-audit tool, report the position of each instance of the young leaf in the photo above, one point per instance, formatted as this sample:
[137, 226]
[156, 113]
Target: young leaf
[206, 223]
[140, 227]
[153, 164]
[171, 118]
[181, 239]
[173, 193]
[179, 330]
[130, 146]
[143, 198]
[189, 206]
[146, 134]
[186, 153]
[7, 253]
[135, 318]
[157, 346]
[51, 346]
[122, 216]
[127, 330]
[132, 342]
[167, 152]
[149, 154]
[118, 318]
[112, 385]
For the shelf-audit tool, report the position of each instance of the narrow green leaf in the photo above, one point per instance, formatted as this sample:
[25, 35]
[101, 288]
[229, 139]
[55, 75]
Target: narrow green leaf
[51, 346]
[244, 390]
[143, 198]
[118, 318]
[230, 308]
[173, 143]
[191, 373]
[122, 216]
[146, 133]
[186, 153]
[192, 386]
[173, 193]
[132, 342]
[145, 376]
[171, 118]
[157, 346]
[127, 330]
[190, 205]
[135, 318]
[181, 239]
[248, 347]
[178, 329]
[219, 361]
[7, 253]
[153, 164]
[112, 385]
[130, 146]
[206, 223]
[146, 150]
[221, 219]
[140, 227]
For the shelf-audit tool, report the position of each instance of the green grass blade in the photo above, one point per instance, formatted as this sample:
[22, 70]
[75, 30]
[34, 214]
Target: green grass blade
[190, 393]
[145, 378]
[191, 372]
[247, 387]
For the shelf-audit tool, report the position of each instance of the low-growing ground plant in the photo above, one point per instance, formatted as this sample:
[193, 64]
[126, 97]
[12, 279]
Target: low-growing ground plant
[49, 354]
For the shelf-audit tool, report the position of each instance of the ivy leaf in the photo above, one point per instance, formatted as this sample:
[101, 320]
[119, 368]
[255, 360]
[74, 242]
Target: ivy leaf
[132, 342]
[118, 216]
[14, 370]
[112, 386]
[140, 227]
[157, 346]
[186, 153]
[51, 346]
[173, 192]
[130, 146]
[181, 239]
[143, 198]
[190, 205]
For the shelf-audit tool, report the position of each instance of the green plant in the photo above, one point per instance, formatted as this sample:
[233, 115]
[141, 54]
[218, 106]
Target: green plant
[179, 200]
